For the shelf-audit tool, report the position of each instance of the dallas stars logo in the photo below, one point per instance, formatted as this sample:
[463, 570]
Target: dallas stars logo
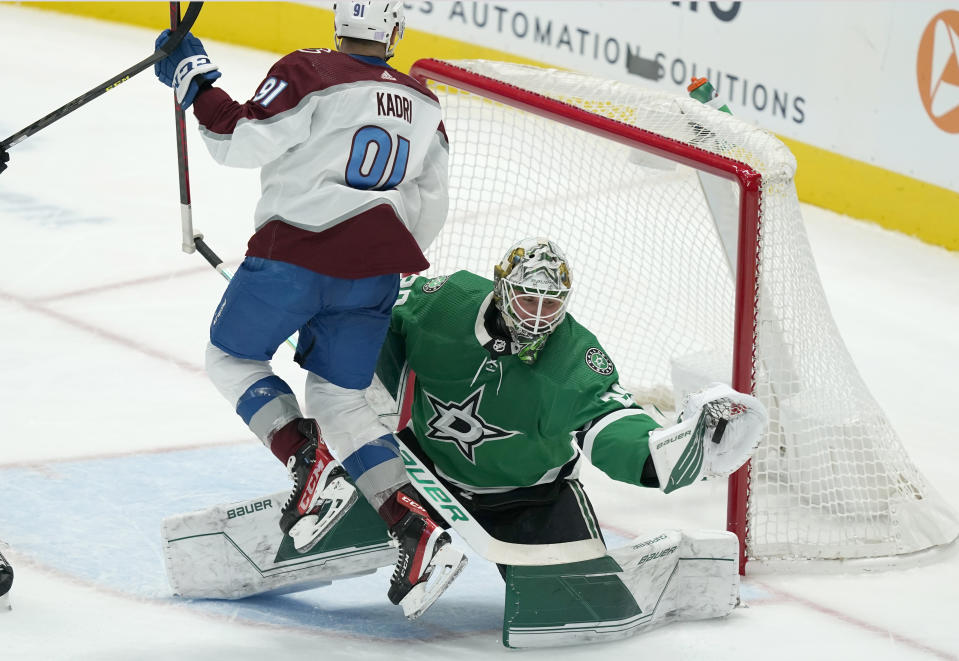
[460, 423]
[599, 362]
[435, 284]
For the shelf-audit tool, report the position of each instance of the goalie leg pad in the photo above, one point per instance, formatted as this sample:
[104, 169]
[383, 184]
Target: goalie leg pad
[570, 604]
[679, 575]
[238, 550]
[666, 577]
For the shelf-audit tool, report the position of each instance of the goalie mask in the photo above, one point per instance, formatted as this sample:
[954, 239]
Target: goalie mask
[531, 287]
[373, 20]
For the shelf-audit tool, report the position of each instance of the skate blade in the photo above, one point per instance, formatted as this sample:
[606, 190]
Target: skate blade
[447, 564]
[5, 602]
[309, 530]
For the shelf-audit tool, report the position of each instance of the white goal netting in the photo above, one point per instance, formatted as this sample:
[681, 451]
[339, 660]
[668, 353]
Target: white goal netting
[652, 244]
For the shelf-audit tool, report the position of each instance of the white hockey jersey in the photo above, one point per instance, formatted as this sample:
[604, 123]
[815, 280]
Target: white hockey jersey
[354, 161]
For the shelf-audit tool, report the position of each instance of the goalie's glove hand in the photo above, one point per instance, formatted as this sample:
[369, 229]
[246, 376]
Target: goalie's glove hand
[718, 431]
[734, 422]
[187, 69]
[4, 158]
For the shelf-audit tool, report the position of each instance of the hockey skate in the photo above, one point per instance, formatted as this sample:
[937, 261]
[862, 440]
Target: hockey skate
[321, 492]
[6, 581]
[426, 564]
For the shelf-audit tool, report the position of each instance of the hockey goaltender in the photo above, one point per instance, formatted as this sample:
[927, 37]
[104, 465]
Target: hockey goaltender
[510, 394]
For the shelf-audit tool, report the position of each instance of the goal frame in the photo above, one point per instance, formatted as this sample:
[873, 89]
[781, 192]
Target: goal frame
[748, 180]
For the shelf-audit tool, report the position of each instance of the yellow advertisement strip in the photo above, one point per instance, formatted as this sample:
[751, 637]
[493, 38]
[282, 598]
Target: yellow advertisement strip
[824, 178]
[893, 200]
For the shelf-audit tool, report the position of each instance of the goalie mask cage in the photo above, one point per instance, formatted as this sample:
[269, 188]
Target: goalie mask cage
[691, 264]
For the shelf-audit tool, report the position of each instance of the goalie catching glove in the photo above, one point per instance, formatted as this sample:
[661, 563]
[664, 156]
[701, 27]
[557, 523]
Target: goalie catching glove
[717, 432]
[186, 69]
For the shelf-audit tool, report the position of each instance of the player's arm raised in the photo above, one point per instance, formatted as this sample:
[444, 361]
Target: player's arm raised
[257, 132]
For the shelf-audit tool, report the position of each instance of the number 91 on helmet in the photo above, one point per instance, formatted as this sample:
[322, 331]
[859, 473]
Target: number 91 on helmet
[374, 20]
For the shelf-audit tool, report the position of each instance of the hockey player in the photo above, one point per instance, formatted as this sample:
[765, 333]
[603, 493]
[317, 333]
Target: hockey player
[353, 157]
[6, 582]
[511, 393]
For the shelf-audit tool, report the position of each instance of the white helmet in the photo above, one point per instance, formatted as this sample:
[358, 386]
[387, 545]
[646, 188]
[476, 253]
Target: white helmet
[373, 20]
[531, 288]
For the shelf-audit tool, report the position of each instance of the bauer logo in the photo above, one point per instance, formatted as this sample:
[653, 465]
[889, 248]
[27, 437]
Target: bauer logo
[655, 556]
[937, 70]
[426, 485]
[249, 508]
[648, 542]
[673, 439]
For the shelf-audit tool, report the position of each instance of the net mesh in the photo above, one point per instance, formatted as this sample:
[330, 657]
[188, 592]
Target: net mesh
[653, 279]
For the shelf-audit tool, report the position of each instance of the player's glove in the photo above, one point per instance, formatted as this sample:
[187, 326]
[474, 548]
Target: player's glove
[186, 69]
[717, 432]
[4, 157]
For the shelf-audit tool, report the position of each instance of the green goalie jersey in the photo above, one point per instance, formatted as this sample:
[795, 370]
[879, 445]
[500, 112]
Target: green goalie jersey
[490, 422]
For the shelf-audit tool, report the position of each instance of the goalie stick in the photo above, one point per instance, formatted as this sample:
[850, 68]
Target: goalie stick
[175, 38]
[459, 518]
[474, 534]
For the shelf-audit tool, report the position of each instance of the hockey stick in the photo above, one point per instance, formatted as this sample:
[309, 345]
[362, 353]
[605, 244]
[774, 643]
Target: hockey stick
[175, 38]
[392, 397]
[474, 534]
[186, 210]
[191, 242]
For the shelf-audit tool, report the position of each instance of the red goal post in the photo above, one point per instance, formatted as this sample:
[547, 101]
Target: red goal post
[488, 110]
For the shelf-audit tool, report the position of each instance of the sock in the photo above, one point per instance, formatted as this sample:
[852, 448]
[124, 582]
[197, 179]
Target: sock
[285, 441]
[404, 500]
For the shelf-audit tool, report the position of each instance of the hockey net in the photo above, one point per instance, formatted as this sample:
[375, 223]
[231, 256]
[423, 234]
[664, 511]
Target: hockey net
[690, 264]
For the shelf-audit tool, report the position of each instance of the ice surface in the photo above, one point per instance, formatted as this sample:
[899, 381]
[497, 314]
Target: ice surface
[109, 424]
